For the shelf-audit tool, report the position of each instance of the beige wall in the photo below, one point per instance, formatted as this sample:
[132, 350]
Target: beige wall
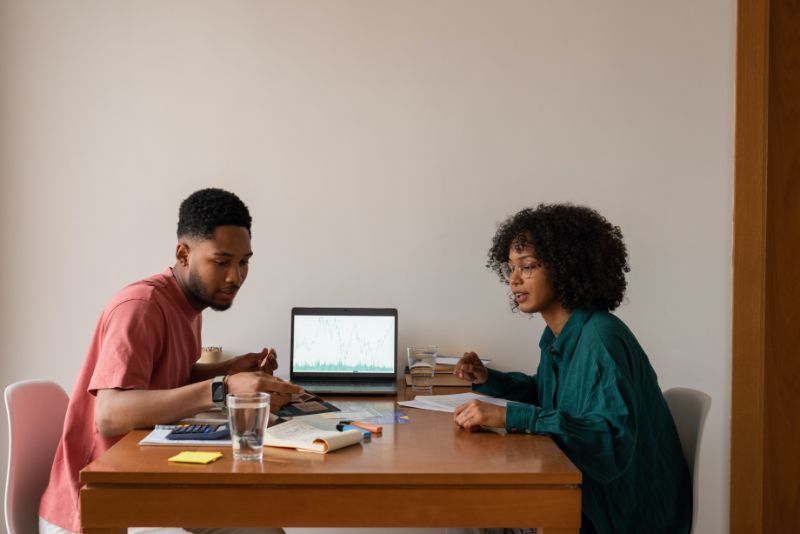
[377, 145]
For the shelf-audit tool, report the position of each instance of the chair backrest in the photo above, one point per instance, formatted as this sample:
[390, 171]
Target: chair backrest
[689, 409]
[36, 410]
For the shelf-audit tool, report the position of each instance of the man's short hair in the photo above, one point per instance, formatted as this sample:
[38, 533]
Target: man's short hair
[204, 210]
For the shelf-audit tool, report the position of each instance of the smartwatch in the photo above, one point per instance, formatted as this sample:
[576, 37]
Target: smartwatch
[219, 389]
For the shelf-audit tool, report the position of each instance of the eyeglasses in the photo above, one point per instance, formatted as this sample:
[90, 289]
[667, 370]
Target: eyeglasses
[525, 271]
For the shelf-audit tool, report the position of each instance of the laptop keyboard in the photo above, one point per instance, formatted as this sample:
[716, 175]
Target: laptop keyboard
[346, 387]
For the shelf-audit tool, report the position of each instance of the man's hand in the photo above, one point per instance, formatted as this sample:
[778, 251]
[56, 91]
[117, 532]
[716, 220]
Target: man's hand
[265, 361]
[475, 414]
[471, 368]
[251, 382]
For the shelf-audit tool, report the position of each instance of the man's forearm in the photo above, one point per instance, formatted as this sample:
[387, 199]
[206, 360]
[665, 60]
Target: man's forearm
[119, 411]
[207, 371]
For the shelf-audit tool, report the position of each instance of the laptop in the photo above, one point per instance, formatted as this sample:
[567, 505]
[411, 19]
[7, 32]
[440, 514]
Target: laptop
[344, 351]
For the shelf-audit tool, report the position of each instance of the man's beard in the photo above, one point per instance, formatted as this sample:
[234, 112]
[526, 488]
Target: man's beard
[200, 294]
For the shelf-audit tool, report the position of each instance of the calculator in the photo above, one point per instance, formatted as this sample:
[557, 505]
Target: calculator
[187, 431]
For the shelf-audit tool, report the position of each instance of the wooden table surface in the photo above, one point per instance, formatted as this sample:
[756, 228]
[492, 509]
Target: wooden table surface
[428, 473]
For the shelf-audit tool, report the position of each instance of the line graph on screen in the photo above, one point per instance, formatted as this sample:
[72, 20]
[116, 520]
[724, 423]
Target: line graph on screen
[340, 344]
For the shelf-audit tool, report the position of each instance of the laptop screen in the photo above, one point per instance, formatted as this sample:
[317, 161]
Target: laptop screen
[344, 342]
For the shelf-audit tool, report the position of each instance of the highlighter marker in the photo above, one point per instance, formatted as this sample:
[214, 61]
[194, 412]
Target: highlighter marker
[375, 429]
[366, 435]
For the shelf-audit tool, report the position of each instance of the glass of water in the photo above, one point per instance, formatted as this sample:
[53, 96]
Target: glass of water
[248, 414]
[421, 366]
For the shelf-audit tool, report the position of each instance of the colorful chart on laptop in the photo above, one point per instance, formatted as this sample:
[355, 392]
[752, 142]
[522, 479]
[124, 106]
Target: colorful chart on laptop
[344, 350]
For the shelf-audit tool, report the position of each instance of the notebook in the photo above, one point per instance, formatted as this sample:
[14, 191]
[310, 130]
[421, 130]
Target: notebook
[344, 351]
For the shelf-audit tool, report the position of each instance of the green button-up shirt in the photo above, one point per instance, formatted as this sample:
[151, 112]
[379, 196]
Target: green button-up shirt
[597, 396]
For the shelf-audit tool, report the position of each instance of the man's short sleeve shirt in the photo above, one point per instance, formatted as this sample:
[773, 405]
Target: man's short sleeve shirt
[148, 337]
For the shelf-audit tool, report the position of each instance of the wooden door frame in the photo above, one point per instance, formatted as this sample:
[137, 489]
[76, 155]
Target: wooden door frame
[765, 470]
[749, 261]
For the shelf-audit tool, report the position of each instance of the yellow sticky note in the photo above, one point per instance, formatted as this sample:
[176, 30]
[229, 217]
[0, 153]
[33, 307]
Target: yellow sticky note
[194, 457]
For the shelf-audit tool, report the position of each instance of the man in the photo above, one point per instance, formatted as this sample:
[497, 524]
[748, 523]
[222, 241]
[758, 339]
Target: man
[141, 368]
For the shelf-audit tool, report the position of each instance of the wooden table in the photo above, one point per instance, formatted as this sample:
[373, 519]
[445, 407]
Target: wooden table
[428, 473]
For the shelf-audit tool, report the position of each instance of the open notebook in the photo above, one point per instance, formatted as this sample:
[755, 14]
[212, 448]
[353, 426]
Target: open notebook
[298, 435]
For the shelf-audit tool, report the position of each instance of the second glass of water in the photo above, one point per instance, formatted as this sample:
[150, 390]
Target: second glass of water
[421, 367]
[248, 414]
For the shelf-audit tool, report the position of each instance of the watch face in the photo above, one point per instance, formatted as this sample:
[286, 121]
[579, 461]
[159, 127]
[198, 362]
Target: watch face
[217, 391]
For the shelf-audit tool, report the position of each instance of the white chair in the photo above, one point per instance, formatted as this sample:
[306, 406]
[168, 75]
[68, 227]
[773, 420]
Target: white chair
[36, 410]
[689, 409]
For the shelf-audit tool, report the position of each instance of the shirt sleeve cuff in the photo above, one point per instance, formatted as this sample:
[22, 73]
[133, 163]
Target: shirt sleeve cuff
[494, 385]
[521, 417]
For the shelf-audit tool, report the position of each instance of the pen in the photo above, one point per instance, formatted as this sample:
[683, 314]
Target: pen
[366, 435]
[375, 429]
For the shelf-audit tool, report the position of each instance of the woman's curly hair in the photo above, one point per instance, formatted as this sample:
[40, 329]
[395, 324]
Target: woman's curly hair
[582, 252]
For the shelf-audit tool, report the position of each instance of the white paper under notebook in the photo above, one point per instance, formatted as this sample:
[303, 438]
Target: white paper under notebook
[158, 436]
[296, 434]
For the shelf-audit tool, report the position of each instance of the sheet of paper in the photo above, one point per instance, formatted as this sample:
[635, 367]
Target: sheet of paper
[159, 437]
[449, 403]
[425, 406]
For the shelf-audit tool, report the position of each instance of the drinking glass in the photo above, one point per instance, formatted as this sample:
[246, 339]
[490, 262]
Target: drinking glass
[247, 418]
[421, 366]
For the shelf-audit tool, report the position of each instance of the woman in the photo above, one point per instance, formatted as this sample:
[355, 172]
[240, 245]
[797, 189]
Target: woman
[595, 392]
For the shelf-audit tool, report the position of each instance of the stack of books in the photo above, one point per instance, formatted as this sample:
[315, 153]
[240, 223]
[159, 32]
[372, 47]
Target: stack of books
[443, 374]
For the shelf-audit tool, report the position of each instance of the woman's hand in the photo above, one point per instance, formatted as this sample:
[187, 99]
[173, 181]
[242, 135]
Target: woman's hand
[476, 414]
[471, 368]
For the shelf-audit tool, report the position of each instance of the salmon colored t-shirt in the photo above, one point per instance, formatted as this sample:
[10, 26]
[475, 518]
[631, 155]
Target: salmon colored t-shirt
[147, 338]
